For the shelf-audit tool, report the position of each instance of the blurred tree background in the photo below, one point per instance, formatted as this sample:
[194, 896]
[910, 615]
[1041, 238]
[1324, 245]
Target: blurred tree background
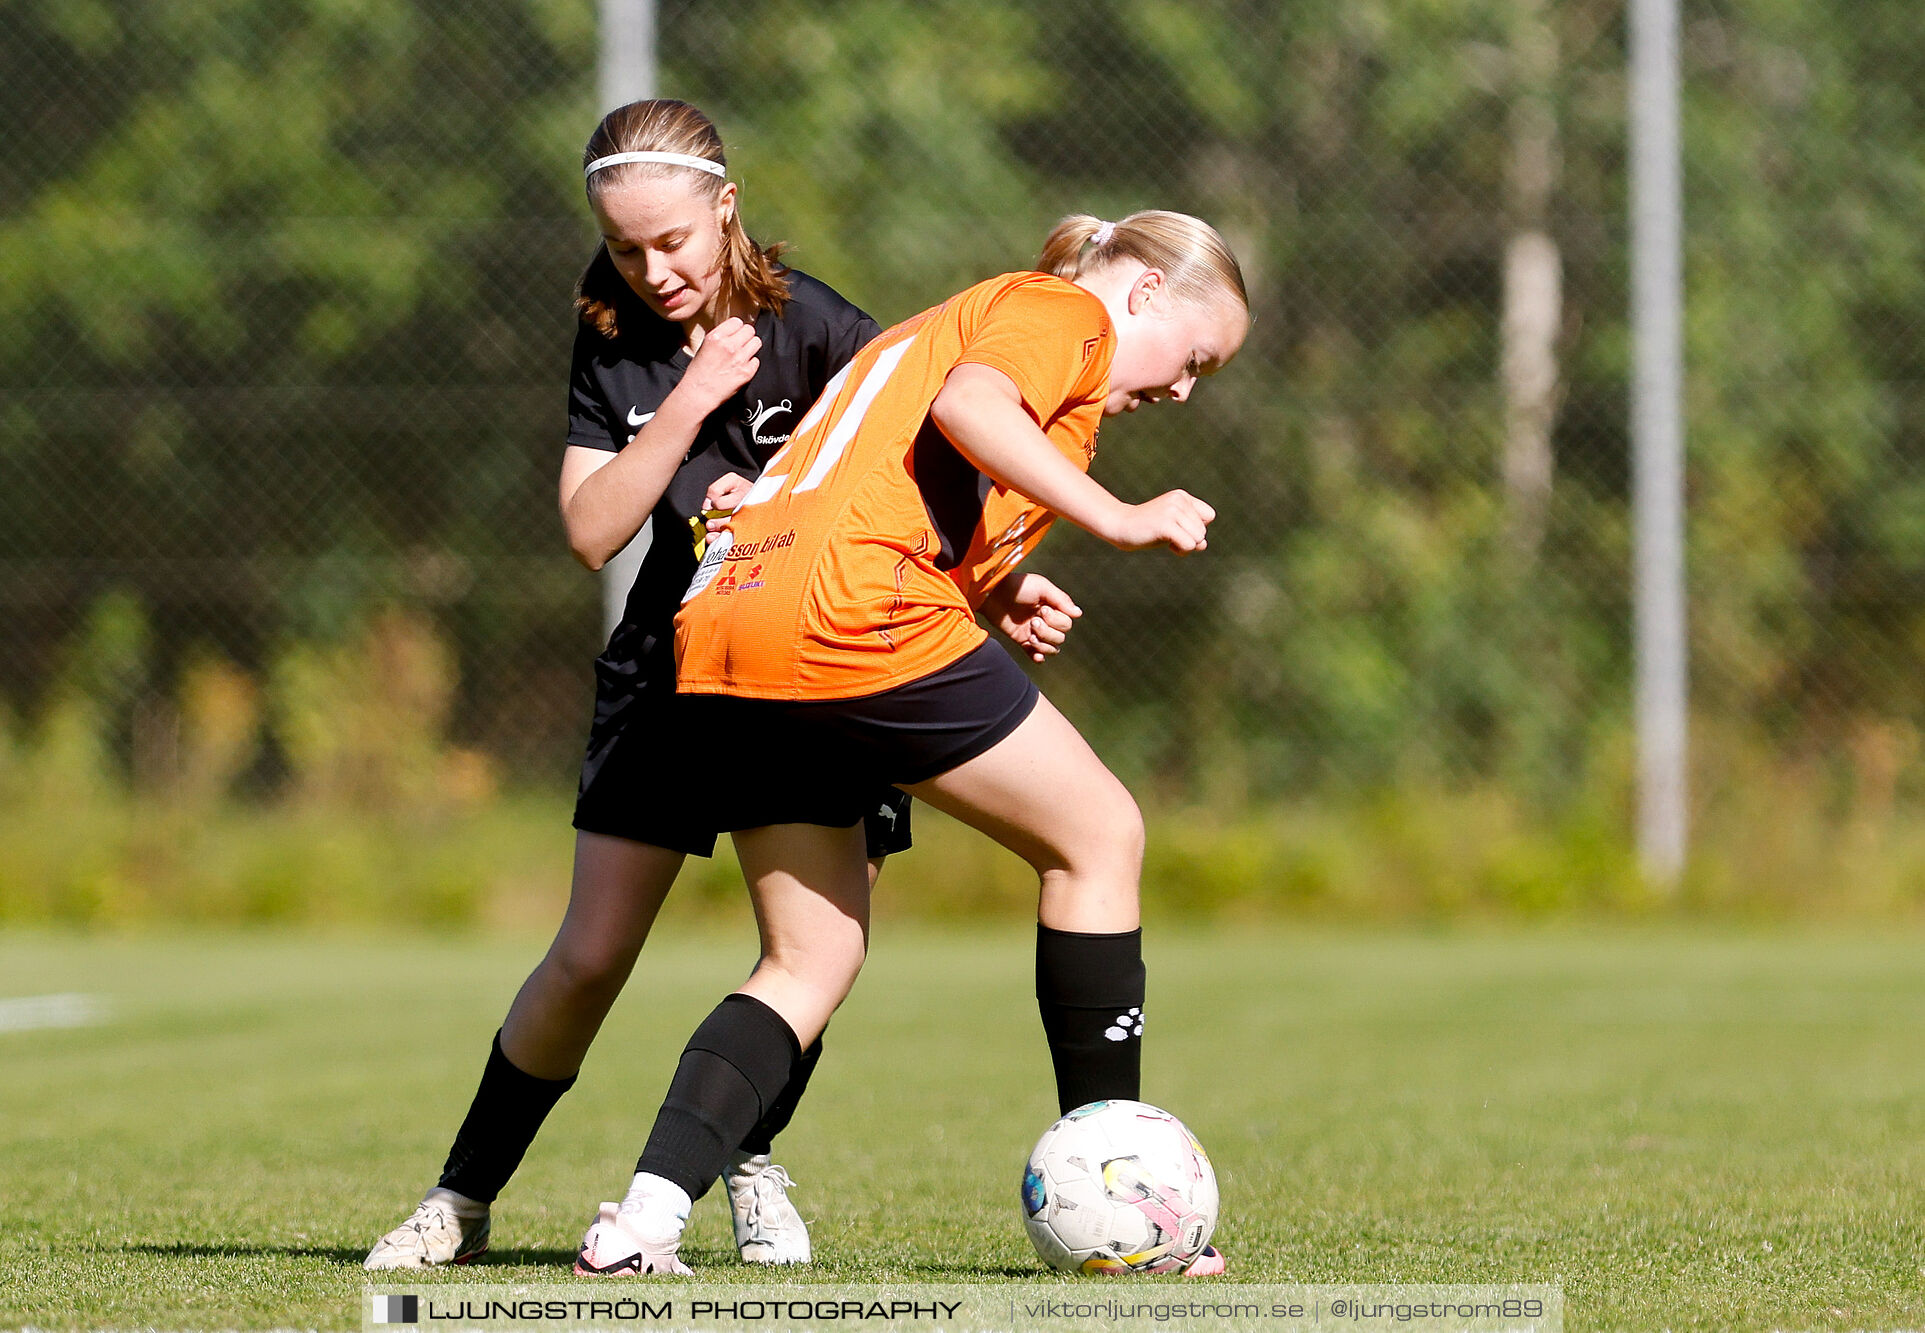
[289, 628]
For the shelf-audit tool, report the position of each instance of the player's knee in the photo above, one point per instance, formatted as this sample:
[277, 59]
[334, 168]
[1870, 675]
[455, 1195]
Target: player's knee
[1104, 842]
[829, 967]
[1128, 834]
[845, 963]
[1109, 843]
[590, 970]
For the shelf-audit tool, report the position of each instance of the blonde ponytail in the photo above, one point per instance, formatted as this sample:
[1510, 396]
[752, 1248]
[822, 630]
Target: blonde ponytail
[1063, 250]
[1192, 257]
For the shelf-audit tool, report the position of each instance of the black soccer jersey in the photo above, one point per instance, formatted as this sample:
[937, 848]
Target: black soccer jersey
[615, 385]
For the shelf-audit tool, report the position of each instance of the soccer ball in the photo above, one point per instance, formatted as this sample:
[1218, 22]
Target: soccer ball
[1118, 1188]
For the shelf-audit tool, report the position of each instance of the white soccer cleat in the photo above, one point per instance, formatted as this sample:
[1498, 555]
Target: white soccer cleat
[616, 1247]
[768, 1229]
[446, 1228]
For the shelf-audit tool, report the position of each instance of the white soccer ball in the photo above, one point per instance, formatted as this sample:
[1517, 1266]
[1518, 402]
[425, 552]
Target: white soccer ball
[1118, 1188]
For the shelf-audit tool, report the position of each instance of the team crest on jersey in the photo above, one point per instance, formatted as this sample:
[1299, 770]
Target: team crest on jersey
[758, 415]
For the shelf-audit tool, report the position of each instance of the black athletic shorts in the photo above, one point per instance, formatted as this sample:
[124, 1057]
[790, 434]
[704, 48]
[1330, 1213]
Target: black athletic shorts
[650, 772]
[821, 762]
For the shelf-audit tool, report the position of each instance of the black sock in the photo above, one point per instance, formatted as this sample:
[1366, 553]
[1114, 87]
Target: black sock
[762, 1138]
[502, 1121]
[1090, 991]
[731, 1074]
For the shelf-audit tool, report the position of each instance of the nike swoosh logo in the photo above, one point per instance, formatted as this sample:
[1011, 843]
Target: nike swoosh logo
[636, 418]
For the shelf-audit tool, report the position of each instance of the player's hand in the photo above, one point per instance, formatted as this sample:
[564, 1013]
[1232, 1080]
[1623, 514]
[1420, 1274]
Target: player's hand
[1175, 519]
[1034, 613]
[726, 360]
[724, 494]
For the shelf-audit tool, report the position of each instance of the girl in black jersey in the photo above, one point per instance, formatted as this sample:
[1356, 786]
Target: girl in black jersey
[696, 356]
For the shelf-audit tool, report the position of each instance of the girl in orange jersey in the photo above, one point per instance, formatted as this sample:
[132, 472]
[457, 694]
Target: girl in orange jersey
[831, 636]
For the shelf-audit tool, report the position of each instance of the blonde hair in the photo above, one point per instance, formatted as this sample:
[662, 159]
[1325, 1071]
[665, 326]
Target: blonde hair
[1192, 257]
[664, 125]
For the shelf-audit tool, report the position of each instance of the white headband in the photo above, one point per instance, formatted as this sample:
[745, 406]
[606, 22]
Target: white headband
[672, 159]
[1103, 234]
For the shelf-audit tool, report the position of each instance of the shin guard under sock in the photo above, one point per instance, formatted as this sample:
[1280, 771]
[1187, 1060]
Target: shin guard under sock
[502, 1121]
[761, 1139]
[1090, 991]
[731, 1073]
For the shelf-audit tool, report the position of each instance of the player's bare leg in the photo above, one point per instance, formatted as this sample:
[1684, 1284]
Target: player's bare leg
[1043, 793]
[768, 1227]
[617, 892]
[810, 889]
[796, 922]
[618, 889]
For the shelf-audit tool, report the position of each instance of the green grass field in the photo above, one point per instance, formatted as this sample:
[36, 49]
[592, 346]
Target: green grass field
[1689, 1129]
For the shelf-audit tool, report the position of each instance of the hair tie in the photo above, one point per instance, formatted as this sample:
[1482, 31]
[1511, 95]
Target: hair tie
[671, 159]
[1104, 231]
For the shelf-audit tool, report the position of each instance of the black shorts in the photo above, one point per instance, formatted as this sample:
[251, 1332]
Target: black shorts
[649, 773]
[821, 762]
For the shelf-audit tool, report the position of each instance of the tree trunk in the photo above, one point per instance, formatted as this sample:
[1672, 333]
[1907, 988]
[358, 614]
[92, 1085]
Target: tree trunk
[1533, 284]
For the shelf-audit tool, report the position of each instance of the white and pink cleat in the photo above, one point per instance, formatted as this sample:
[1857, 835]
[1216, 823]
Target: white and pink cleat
[621, 1244]
[1208, 1264]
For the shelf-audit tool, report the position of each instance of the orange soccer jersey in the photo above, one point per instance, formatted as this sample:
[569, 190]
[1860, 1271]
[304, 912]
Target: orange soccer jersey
[858, 560]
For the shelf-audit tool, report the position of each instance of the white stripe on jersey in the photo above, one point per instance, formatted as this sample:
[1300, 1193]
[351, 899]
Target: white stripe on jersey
[771, 481]
[845, 430]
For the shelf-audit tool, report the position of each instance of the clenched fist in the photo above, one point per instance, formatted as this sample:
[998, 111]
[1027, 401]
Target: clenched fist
[1175, 519]
[726, 360]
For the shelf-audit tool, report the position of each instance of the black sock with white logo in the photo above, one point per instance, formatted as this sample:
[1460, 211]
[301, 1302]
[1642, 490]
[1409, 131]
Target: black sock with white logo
[761, 1139]
[731, 1075]
[1090, 991]
[502, 1121]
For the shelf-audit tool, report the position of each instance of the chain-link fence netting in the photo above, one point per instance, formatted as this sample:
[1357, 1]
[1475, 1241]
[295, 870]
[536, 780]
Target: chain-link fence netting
[284, 323]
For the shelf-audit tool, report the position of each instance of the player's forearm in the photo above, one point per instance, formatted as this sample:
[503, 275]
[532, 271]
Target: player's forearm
[609, 506]
[997, 436]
